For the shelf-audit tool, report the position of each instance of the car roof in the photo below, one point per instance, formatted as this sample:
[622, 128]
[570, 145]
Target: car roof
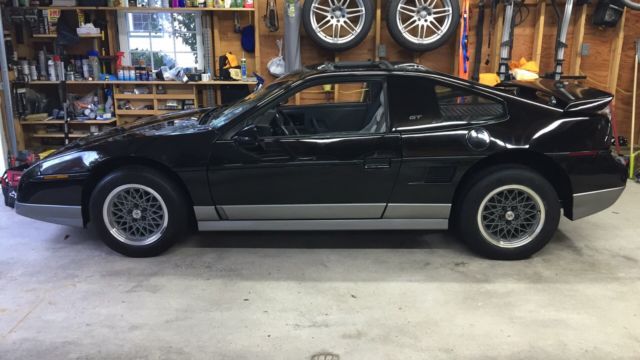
[351, 66]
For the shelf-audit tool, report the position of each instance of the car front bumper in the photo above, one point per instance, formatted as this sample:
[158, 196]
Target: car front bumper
[56, 214]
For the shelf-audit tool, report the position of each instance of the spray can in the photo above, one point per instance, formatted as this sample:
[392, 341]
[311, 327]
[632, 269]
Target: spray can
[42, 65]
[243, 67]
[58, 68]
[52, 71]
[86, 74]
[34, 72]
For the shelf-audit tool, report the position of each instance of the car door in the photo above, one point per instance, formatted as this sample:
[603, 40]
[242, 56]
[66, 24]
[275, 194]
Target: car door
[446, 127]
[321, 151]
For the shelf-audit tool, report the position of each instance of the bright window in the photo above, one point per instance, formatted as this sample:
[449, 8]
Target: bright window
[161, 39]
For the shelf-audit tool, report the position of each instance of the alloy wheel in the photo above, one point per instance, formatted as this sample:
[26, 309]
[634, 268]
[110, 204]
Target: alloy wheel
[135, 214]
[511, 216]
[424, 21]
[337, 21]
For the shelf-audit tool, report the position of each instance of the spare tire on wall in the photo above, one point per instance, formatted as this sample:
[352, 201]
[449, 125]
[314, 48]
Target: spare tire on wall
[337, 25]
[422, 25]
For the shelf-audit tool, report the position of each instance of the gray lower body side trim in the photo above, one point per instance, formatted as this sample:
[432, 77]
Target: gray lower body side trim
[302, 211]
[56, 214]
[588, 203]
[205, 213]
[417, 211]
[302, 225]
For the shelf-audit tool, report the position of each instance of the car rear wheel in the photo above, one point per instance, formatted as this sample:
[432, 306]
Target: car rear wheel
[509, 213]
[138, 212]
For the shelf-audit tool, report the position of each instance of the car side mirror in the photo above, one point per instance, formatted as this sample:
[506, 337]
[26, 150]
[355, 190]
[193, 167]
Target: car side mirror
[247, 137]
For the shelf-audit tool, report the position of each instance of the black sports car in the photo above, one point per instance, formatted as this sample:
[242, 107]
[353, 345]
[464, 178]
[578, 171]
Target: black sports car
[345, 146]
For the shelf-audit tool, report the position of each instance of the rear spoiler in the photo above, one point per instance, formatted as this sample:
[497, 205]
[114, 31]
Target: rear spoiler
[569, 96]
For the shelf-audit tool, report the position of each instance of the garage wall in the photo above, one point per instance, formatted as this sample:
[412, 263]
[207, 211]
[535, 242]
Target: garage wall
[598, 65]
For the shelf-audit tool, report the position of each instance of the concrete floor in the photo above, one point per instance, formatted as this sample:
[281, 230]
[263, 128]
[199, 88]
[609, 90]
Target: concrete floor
[362, 295]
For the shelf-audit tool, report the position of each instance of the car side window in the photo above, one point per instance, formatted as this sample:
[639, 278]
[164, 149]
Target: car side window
[356, 107]
[331, 93]
[419, 103]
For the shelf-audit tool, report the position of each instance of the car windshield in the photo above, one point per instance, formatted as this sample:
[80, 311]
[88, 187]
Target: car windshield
[223, 115]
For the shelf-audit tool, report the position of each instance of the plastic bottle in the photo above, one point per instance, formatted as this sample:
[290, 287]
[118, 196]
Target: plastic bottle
[86, 71]
[58, 68]
[52, 71]
[243, 67]
[42, 64]
[121, 74]
[95, 64]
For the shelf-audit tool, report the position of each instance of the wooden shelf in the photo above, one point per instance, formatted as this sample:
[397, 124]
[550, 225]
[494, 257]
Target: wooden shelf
[170, 9]
[120, 82]
[59, 135]
[143, 9]
[175, 96]
[121, 112]
[134, 96]
[53, 36]
[59, 122]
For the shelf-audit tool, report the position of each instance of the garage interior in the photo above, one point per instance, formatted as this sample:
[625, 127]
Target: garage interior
[303, 294]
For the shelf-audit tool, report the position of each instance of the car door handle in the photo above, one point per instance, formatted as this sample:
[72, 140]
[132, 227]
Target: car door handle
[377, 163]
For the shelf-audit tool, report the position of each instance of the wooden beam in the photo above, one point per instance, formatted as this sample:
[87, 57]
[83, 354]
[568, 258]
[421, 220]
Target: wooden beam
[616, 53]
[256, 25]
[497, 38]
[578, 37]
[216, 47]
[377, 29]
[538, 32]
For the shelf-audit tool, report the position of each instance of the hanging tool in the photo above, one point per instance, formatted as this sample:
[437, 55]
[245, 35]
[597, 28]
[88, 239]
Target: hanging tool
[271, 17]
[477, 57]
[507, 40]
[463, 53]
[561, 41]
[632, 155]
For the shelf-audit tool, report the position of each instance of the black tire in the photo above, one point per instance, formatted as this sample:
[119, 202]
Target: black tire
[478, 230]
[410, 41]
[139, 180]
[309, 17]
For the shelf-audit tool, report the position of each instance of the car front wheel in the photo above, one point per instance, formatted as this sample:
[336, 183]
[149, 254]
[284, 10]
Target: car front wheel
[137, 211]
[508, 213]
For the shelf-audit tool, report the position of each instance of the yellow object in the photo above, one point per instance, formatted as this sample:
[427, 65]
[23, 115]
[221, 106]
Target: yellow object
[522, 74]
[490, 79]
[232, 61]
[236, 74]
[56, 177]
[45, 153]
[326, 88]
[523, 64]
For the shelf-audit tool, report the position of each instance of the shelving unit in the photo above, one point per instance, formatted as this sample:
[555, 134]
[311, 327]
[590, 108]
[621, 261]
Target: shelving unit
[53, 36]
[107, 43]
[124, 93]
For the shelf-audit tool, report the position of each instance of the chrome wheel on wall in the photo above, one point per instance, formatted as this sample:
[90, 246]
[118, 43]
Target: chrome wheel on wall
[337, 25]
[507, 212]
[136, 214]
[139, 211]
[422, 25]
